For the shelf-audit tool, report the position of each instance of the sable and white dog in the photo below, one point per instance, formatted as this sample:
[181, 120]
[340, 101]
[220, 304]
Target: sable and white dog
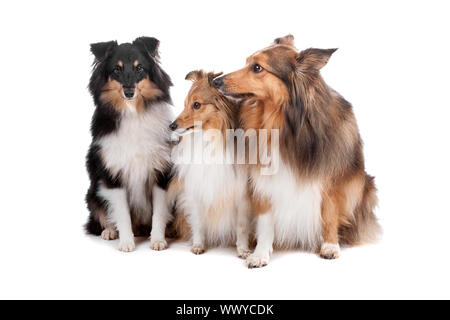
[321, 196]
[129, 157]
[209, 191]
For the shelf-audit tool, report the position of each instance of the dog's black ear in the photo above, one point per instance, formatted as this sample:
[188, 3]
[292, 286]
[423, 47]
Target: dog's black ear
[101, 49]
[286, 40]
[149, 45]
[195, 75]
[313, 59]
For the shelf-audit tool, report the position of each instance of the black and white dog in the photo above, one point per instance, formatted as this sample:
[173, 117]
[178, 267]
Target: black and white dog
[129, 157]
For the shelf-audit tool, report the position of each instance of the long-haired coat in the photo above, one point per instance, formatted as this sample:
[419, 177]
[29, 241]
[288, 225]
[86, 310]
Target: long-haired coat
[208, 189]
[321, 196]
[129, 155]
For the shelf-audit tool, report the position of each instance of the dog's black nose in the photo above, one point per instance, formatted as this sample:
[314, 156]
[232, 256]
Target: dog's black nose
[173, 126]
[218, 82]
[129, 92]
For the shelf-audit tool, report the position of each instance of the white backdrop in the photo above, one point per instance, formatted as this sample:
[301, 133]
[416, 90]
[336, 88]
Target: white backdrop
[392, 64]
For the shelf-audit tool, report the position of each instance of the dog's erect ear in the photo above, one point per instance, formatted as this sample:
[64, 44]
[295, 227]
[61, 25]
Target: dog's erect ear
[286, 40]
[101, 49]
[195, 75]
[149, 45]
[313, 59]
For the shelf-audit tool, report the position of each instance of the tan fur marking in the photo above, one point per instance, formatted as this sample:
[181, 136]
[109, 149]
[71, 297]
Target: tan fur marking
[148, 90]
[331, 206]
[102, 217]
[112, 93]
[217, 208]
[180, 226]
[260, 204]
[342, 202]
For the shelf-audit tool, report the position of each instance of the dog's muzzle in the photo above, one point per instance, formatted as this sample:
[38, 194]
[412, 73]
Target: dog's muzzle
[128, 92]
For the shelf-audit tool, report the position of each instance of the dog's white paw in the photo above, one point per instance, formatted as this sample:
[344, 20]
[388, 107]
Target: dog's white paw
[198, 249]
[257, 261]
[127, 245]
[109, 234]
[330, 251]
[243, 253]
[158, 245]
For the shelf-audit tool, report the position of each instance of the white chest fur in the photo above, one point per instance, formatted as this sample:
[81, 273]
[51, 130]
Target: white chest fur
[296, 207]
[208, 182]
[137, 148]
[212, 192]
[204, 170]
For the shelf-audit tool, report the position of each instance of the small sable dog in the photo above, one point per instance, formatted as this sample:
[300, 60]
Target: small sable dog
[129, 157]
[321, 195]
[212, 196]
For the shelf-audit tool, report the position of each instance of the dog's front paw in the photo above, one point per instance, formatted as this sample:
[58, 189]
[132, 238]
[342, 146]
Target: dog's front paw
[198, 249]
[127, 245]
[243, 253]
[330, 251]
[158, 245]
[257, 261]
[109, 234]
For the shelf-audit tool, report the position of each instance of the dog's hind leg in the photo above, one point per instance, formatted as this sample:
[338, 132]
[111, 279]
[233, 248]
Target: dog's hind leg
[160, 218]
[330, 224]
[119, 215]
[98, 223]
[109, 231]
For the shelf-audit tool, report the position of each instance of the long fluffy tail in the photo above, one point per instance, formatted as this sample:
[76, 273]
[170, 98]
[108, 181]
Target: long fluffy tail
[365, 227]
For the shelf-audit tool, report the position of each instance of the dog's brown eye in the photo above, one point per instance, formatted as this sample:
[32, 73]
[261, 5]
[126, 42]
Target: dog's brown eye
[257, 68]
[196, 105]
[139, 68]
